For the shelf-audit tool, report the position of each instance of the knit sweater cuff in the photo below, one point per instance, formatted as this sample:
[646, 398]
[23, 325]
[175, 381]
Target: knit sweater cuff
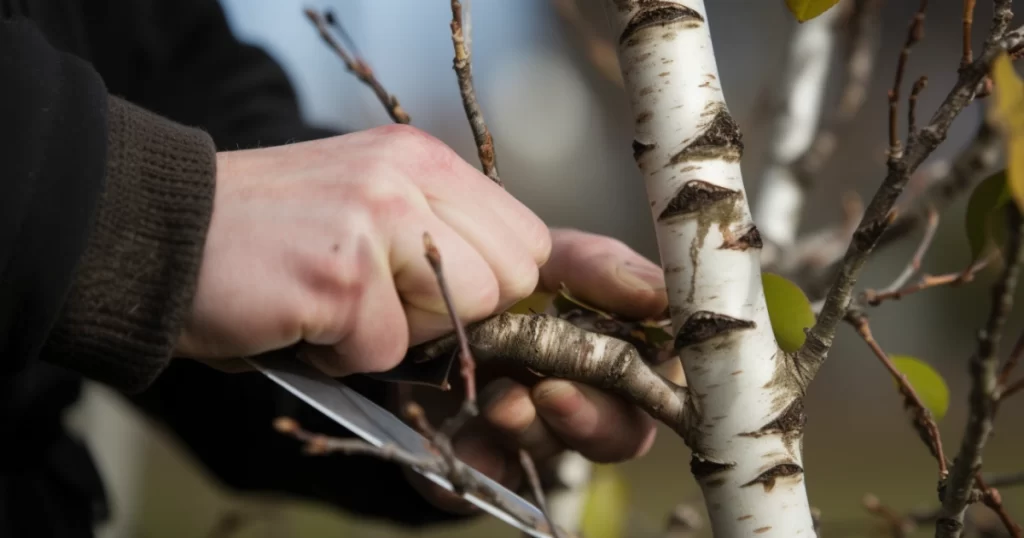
[135, 283]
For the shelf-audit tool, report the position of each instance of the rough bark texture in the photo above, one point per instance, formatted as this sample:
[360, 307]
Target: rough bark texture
[745, 417]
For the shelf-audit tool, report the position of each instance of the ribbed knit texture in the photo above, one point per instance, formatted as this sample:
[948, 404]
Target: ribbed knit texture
[135, 284]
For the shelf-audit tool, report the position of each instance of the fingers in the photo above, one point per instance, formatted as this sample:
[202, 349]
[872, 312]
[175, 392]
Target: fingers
[601, 427]
[507, 407]
[471, 280]
[605, 273]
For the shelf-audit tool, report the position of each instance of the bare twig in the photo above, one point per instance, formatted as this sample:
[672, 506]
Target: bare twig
[1012, 360]
[915, 91]
[1011, 389]
[872, 296]
[923, 421]
[468, 365]
[464, 70]
[878, 215]
[356, 65]
[530, 470]
[914, 34]
[927, 282]
[984, 389]
[318, 445]
[899, 526]
[991, 498]
[968, 56]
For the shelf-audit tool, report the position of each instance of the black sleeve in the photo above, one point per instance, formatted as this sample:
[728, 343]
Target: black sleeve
[53, 134]
[180, 59]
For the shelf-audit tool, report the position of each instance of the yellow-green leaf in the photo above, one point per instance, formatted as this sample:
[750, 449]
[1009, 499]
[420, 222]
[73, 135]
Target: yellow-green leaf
[606, 507]
[926, 382]
[1007, 113]
[789, 310]
[805, 10]
[564, 301]
[536, 303]
[984, 220]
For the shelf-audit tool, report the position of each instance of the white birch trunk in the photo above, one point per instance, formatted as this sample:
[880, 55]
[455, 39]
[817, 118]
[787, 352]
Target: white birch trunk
[746, 412]
[781, 202]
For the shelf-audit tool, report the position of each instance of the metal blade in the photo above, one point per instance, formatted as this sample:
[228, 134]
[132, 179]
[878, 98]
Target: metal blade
[380, 427]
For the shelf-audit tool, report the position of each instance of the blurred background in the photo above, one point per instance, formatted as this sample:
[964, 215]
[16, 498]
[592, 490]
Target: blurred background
[563, 133]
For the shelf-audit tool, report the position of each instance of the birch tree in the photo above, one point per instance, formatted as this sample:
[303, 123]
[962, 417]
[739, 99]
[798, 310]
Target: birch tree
[741, 408]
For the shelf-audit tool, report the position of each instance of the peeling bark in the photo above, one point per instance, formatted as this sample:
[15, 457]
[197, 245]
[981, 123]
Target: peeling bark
[745, 416]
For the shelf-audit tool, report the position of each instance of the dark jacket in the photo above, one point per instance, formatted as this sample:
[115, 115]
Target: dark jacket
[110, 115]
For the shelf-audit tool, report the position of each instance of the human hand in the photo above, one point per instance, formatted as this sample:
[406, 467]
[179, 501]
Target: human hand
[555, 415]
[322, 242]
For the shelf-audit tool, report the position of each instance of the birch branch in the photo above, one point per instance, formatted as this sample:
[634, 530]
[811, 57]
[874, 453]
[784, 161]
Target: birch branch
[878, 215]
[984, 372]
[803, 85]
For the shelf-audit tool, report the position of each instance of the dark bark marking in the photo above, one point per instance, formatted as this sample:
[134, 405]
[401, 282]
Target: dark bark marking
[761, 530]
[767, 478]
[789, 424]
[656, 13]
[703, 468]
[696, 196]
[737, 372]
[644, 117]
[646, 90]
[704, 325]
[750, 239]
[721, 139]
[639, 149]
[714, 483]
[741, 518]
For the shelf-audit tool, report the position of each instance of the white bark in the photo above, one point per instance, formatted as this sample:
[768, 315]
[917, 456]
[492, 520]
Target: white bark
[802, 89]
[746, 414]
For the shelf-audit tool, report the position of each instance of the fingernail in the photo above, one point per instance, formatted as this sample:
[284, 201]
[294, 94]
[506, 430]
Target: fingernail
[641, 276]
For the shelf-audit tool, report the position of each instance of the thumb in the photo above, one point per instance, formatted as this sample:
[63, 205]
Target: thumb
[605, 273]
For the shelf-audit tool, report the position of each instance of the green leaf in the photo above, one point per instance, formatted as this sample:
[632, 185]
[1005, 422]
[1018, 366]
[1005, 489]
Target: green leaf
[789, 310]
[927, 383]
[1007, 114]
[805, 10]
[984, 221]
[606, 507]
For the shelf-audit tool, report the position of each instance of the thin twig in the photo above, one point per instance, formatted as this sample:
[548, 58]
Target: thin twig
[914, 34]
[899, 526]
[968, 56]
[318, 445]
[984, 389]
[915, 91]
[468, 364]
[991, 498]
[530, 470]
[1011, 389]
[923, 421]
[356, 65]
[927, 282]
[872, 296]
[464, 71]
[1012, 360]
[878, 216]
